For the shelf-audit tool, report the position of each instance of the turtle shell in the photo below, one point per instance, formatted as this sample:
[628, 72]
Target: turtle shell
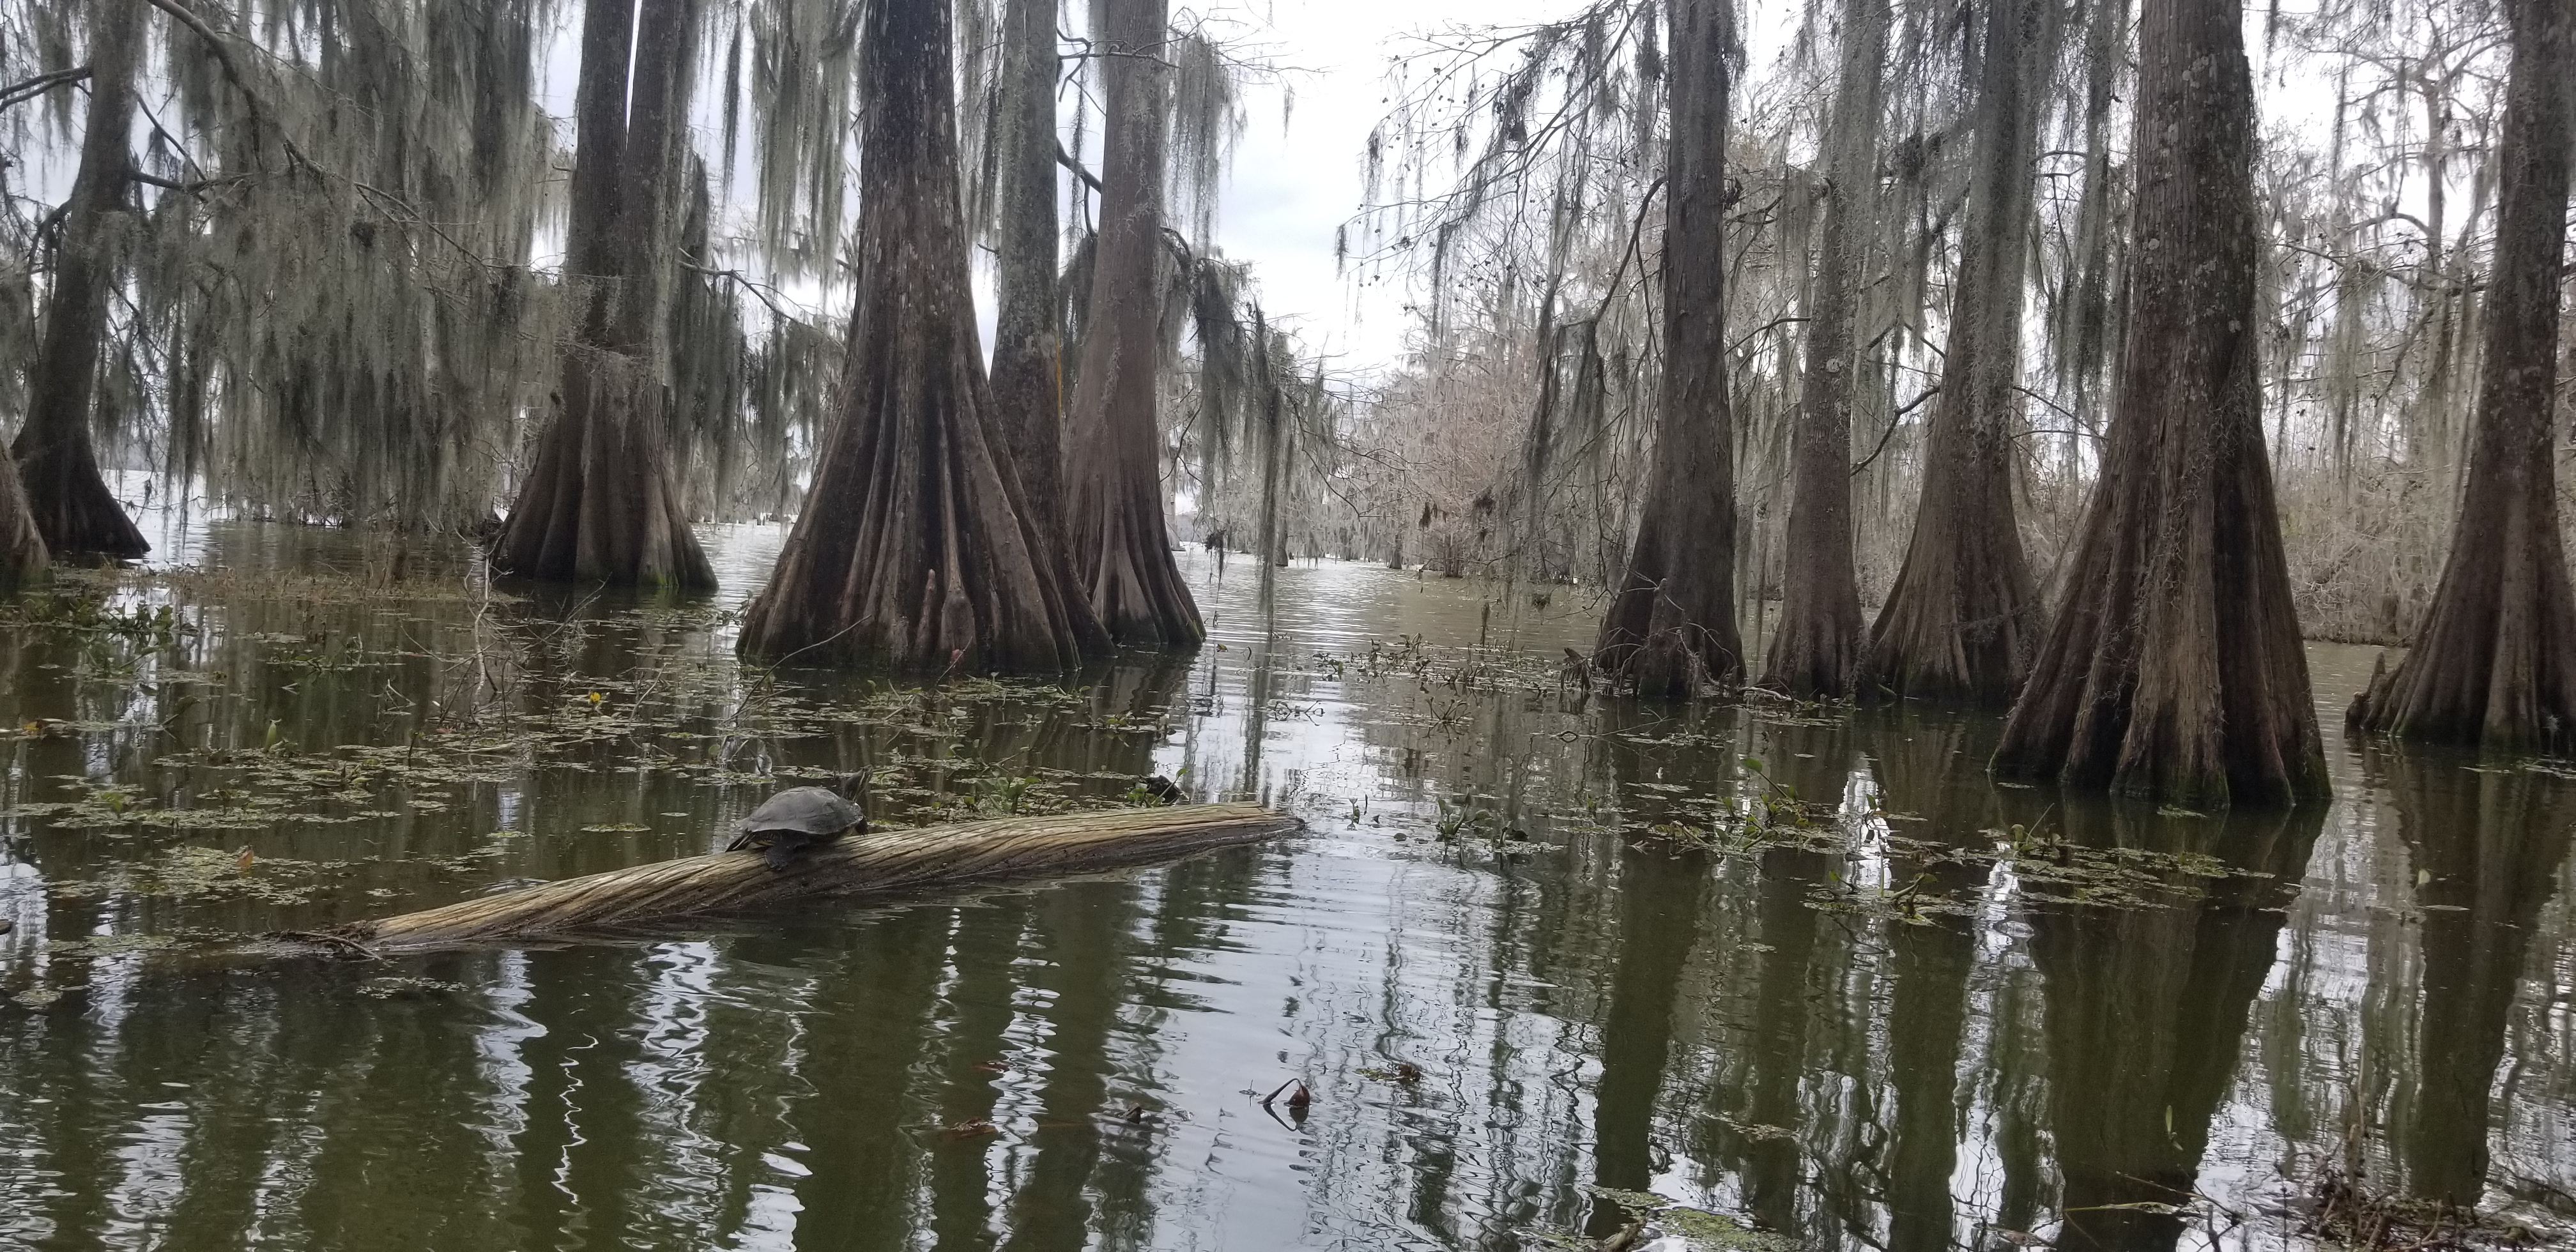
[806, 810]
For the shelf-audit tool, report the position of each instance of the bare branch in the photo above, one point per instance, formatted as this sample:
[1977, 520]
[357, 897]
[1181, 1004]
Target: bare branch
[1068, 160]
[19, 93]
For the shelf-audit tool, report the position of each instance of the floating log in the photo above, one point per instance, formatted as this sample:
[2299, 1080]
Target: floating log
[961, 854]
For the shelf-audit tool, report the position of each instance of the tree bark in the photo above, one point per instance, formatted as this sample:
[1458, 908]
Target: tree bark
[57, 462]
[2494, 663]
[1028, 332]
[913, 549]
[2174, 668]
[1122, 554]
[1963, 618]
[1816, 650]
[1671, 624]
[600, 503]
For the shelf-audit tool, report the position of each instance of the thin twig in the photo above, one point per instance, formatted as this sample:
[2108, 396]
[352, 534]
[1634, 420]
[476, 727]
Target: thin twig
[191, 187]
[758, 289]
[1892, 420]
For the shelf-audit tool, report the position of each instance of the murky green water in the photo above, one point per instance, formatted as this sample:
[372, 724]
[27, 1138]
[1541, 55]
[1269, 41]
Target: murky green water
[1531, 945]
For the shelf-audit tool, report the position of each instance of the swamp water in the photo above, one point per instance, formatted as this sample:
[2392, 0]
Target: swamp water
[1535, 954]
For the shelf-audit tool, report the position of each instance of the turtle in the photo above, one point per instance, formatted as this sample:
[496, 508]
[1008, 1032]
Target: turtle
[801, 817]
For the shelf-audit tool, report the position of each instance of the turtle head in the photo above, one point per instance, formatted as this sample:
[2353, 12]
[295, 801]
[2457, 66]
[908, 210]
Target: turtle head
[853, 787]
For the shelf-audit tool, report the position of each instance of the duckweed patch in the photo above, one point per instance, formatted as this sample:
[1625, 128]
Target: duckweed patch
[109, 945]
[407, 988]
[1700, 1230]
[201, 873]
[286, 712]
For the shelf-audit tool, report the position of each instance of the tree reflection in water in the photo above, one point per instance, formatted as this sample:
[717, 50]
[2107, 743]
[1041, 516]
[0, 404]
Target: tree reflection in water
[2146, 1010]
[1507, 982]
[2486, 845]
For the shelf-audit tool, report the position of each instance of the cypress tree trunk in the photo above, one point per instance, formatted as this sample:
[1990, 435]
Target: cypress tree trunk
[2495, 660]
[654, 161]
[1816, 651]
[1122, 555]
[599, 113]
[2174, 668]
[1963, 617]
[22, 548]
[2083, 327]
[1273, 456]
[1028, 333]
[912, 549]
[58, 465]
[600, 503]
[1672, 621]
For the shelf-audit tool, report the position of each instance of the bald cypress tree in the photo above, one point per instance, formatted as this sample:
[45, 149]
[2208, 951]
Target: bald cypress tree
[66, 495]
[1113, 493]
[1816, 651]
[2174, 668]
[913, 549]
[2495, 660]
[1964, 616]
[600, 503]
[1671, 620]
[1028, 339]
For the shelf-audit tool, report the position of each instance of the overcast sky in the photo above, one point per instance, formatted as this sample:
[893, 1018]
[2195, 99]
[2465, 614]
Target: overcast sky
[1293, 187]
